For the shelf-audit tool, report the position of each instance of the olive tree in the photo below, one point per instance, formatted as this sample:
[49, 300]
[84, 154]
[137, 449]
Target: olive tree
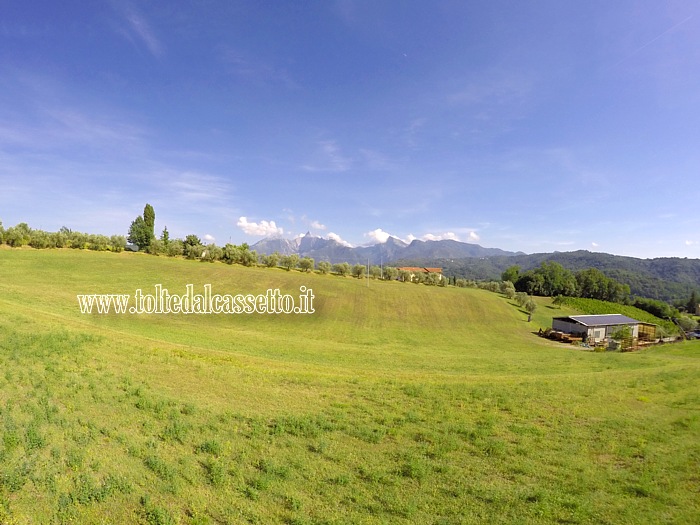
[343, 269]
[289, 261]
[358, 271]
[306, 264]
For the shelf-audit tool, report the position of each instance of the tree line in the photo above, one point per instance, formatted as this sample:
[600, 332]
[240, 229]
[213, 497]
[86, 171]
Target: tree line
[22, 235]
[668, 279]
[551, 279]
[142, 234]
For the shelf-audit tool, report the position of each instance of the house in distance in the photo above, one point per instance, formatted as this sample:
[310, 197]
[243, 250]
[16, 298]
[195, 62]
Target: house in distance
[599, 328]
[413, 270]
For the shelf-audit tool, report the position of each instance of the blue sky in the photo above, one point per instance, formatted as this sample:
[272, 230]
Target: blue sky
[533, 126]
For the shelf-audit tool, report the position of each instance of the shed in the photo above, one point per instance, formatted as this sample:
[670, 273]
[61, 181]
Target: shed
[595, 328]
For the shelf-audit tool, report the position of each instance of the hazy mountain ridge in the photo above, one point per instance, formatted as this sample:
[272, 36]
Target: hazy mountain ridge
[665, 278]
[322, 249]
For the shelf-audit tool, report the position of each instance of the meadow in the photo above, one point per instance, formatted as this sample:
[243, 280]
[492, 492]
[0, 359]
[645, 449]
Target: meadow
[392, 403]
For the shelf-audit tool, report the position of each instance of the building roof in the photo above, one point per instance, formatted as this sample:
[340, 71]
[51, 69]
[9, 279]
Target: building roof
[420, 269]
[600, 320]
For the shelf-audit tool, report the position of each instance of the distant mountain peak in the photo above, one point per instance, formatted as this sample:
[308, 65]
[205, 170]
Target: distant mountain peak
[392, 249]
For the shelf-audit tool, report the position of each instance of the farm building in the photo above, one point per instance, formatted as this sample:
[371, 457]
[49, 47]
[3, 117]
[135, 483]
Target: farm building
[597, 328]
[413, 270]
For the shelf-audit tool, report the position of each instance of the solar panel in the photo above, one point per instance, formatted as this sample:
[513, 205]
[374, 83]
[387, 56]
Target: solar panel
[605, 319]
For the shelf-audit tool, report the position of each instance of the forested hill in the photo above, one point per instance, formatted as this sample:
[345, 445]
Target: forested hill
[665, 278]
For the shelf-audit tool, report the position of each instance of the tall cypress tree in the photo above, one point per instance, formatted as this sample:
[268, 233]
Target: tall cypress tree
[692, 305]
[149, 217]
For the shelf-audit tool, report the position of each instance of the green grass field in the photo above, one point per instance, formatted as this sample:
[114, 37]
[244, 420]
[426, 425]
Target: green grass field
[393, 403]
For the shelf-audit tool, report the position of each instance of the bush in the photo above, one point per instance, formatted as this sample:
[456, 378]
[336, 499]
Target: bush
[212, 253]
[358, 271]
[289, 261]
[658, 308]
[390, 273]
[343, 269]
[193, 251]
[18, 236]
[433, 279]
[324, 267]
[156, 247]
[118, 243]
[271, 260]
[39, 239]
[686, 323]
[491, 286]
[530, 306]
[521, 298]
[306, 264]
[405, 276]
[98, 243]
[507, 288]
[175, 248]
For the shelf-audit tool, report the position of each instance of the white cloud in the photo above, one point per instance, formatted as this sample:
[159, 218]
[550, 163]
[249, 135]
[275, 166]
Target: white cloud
[378, 235]
[264, 228]
[336, 238]
[315, 225]
[440, 237]
[444, 236]
[690, 243]
[209, 238]
[594, 245]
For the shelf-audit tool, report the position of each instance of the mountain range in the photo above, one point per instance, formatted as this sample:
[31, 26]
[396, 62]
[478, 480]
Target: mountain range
[323, 249]
[665, 278]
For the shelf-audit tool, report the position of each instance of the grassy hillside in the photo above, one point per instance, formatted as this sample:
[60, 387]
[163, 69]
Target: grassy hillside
[393, 403]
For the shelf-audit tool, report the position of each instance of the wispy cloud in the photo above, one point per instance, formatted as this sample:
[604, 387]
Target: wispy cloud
[137, 29]
[652, 40]
[194, 187]
[65, 127]
[328, 157]
[256, 71]
[412, 131]
[376, 161]
[492, 87]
